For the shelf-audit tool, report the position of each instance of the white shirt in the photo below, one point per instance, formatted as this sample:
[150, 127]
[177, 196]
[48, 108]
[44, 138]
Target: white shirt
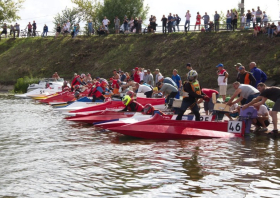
[243, 19]
[221, 78]
[278, 28]
[141, 74]
[68, 24]
[105, 21]
[143, 89]
[188, 16]
[233, 107]
[262, 111]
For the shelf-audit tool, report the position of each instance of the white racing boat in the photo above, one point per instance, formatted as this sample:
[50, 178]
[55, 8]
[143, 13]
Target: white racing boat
[41, 92]
[42, 84]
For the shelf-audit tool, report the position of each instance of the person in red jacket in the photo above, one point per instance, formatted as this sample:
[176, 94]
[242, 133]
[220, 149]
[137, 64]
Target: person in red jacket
[136, 75]
[131, 105]
[97, 92]
[78, 80]
[150, 110]
[208, 104]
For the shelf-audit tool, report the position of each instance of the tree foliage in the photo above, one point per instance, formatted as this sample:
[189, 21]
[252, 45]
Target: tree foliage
[73, 15]
[9, 10]
[95, 10]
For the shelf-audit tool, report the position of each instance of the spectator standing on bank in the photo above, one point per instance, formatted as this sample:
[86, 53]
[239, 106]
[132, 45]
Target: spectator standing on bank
[198, 21]
[222, 80]
[157, 72]
[234, 21]
[34, 26]
[164, 21]
[29, 28]
[258, 16]
[206, 20]
[4, 30]
[58, 30]
[131, 24]
[135, 25]
[17, 29]
[45, 30]
[253, 17]
[265, 19]
[68, 25]
[140, 21]
[146, 76]
[245, 77]
[259, 75]
[174, 23]
[178, 20]
[243, 22]
[170, 20]
[117, 25]
[188, 18]
[123, 76]
[217, 21]
[89, 28]
[248, 18]
[125, 24]
[12, 30]
[106, 23]
[177, 79]
[228, 20]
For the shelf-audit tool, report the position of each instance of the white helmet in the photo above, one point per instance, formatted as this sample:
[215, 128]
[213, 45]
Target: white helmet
[192, 75]
[83, 75]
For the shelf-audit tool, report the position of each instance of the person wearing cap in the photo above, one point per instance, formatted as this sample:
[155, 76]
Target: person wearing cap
[177, 79]
[237, 67]
[141, 73]
[78, 80]
[245, 77]
[123, 76]
[136, 75]
[222, 80]
[259, 75]
[246, 91]
[150, 80]
[115, 74]
[147, 90]
[157, 72]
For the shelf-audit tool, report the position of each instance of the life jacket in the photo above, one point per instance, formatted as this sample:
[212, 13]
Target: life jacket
[75, 81]
[247, 79]
[95, 92]
[195, 87]
[135, 106]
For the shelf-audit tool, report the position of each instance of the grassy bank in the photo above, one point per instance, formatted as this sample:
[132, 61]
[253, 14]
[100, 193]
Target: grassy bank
[41, 57]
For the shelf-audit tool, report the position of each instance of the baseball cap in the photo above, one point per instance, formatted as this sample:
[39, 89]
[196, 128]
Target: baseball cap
[188, 64]
[111, 79]
[160, 77]
[241, 67]
[145, 71]
[121, 71]
[220, 65]
[238, 65]
[227, 99]
[136, 68]
[97, 77]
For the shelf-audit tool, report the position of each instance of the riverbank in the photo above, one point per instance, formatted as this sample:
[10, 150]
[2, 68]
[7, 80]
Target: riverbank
[41, 57]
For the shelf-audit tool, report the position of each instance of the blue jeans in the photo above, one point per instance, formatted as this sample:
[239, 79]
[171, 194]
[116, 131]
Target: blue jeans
[185, 105]
[187, 28]
[178, 95]
[248, 22]
[251, 97]
[206, 25]
[125, 27]
[45, 33]
[229, 24]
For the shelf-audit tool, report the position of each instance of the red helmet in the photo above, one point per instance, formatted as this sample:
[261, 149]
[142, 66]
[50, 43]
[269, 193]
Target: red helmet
[97, 84]
[103, 84]
[148, 109]
[130, 93]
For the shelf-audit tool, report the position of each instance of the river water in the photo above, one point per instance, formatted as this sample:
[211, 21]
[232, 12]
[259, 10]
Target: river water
[43, 155]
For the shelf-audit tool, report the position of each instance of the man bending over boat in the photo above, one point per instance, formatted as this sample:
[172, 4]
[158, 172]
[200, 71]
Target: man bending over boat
[169, 90]
[271, 93]
[131, 105]
[192, 92]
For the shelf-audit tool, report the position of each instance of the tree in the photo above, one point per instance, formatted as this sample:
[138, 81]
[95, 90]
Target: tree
[73, 15]
[120, 8]
[9, 10]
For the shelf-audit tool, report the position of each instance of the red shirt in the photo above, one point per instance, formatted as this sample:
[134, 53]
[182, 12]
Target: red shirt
[136, 77]
[115, 84]
[257, 28]
[209, 92]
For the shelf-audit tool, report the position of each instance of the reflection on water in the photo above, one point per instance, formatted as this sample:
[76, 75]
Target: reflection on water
[43, 155]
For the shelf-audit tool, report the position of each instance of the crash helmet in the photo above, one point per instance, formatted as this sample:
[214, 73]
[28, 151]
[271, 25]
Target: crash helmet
[83, 75]
[130, 94]
[126, 100]
[192, 75]
[148, 109]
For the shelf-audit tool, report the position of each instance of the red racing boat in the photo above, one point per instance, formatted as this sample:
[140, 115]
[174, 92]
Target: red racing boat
[101, 116]
[158, 127]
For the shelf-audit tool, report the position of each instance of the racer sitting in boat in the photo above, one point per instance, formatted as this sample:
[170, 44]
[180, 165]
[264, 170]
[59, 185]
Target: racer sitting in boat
[78, 80]
[150, 110]
[192, 92]
[65, 86]
[131, 105]
[77, 91]
[97, 92]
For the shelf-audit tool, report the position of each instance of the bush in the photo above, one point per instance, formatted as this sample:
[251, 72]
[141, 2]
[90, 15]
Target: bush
[23, 83]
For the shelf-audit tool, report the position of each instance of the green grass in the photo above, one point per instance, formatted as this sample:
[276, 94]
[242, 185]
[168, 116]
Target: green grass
[23, 83]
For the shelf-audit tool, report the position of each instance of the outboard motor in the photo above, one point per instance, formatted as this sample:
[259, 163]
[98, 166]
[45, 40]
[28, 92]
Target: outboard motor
[247, 115]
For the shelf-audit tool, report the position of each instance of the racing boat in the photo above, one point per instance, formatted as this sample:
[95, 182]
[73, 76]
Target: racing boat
[158, 127]
[158, 103]
[39, 93]
[43, 83]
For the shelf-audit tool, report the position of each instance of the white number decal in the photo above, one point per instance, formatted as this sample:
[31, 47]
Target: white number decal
[234, 126]
[204, 118]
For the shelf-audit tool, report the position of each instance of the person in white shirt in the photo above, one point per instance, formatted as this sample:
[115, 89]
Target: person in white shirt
[262, 121]
[141, 73]
[253, 17]
[243, 22]
[233, 110]
[222, 80]
[68, 24]
[147, 90]
[105, 23]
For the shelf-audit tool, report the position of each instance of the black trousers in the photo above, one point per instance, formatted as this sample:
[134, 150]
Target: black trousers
[164, 29]
[149, 94]
[100, 98]
[170, 98]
